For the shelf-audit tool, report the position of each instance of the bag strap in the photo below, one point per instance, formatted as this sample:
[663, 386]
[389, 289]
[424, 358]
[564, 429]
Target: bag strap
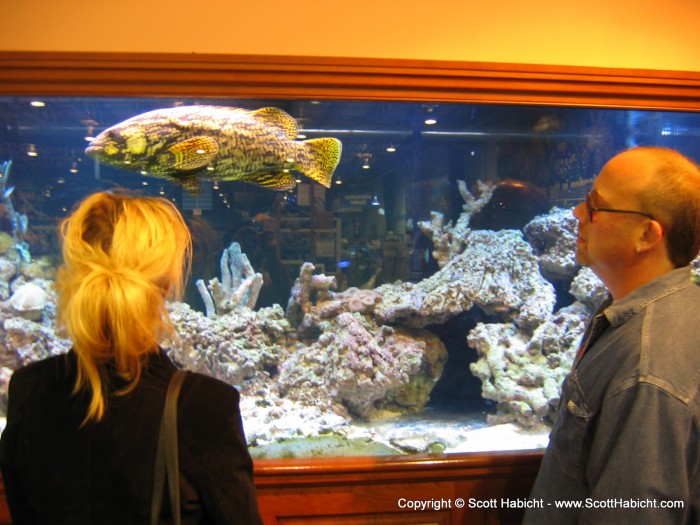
[167, 463]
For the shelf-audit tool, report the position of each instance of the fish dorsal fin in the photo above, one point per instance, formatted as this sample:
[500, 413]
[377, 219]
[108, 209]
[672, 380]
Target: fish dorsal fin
[276, 180]
[279, 119]
[190, 154]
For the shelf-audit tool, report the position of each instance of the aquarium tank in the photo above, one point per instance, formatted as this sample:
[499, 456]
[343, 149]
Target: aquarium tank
[373, 277]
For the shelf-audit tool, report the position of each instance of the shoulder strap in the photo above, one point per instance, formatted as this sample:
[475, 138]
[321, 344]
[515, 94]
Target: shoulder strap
[167, 463]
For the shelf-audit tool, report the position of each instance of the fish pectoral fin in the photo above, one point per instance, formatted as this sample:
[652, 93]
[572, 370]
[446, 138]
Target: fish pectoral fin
[279, 119]
[276, 180]
[190, 154]
[324, 156]
[189, 182]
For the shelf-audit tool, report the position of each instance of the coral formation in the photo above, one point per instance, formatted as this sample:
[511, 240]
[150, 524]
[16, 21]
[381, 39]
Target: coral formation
[308, 289]
[8, 270]
[553, 236]
[358, 365]
[239, 286]
[450, 240]
[7, 243]
[523, 371]
[235, 347]
[39, 268]
[588, 289]
[348, 367]
[522, 366]
[12, 223]
[523, 358]
[29, 301]
[497, 271]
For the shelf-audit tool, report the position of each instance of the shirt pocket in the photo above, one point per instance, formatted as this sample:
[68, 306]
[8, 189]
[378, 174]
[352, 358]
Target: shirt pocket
[569, 438]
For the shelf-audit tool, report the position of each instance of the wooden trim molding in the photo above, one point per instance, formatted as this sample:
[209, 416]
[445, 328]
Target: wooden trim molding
[379, 469]
[381, 490]
[287, 77]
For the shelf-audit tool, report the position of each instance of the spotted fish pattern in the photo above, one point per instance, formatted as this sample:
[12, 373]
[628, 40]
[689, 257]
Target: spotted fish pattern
[184, 144]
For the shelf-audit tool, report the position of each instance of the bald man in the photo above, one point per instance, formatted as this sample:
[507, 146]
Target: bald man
[626, 444]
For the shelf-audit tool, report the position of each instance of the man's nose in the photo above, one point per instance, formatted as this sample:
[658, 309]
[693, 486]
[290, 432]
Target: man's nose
[580, 212]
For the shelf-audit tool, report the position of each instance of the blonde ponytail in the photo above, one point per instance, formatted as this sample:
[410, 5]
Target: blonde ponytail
[122, 257]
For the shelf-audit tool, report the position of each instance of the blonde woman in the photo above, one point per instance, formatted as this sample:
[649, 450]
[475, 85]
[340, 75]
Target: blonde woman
[82, 428]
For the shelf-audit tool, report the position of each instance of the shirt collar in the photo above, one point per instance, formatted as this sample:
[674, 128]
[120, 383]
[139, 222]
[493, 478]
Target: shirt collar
[621, 311]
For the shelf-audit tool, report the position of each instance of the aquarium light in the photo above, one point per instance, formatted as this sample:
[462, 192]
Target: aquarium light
[391, 149]
[31, 151]
[366, 157]
[375, 201]
[430, 121]
[37, 103]
[90, 135]
[90, 127]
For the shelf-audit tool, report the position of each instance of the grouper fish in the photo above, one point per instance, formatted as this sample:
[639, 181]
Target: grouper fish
[185, 143]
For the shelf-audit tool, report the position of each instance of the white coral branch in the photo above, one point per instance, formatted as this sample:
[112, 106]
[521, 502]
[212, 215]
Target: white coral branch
[450, 240]
[239, 286]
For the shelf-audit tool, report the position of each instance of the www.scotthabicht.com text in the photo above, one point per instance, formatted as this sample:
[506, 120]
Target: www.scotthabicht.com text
[526, 503]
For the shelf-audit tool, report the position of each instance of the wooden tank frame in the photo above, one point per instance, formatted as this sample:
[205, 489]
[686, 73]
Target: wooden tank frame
[362, 490]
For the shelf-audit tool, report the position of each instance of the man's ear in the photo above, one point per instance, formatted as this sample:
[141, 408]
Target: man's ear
[651, 237]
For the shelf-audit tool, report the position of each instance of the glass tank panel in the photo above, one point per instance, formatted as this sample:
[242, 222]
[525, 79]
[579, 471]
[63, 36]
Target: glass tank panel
[414, 292]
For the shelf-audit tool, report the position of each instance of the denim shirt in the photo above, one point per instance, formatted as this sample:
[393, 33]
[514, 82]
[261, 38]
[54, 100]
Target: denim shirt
[626, 443]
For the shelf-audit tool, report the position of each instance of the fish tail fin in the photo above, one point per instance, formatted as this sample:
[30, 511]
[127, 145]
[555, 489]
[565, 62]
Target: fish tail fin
[323, 157]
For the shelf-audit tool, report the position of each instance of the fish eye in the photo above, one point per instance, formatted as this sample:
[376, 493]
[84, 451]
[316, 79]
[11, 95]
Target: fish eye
[107, 136]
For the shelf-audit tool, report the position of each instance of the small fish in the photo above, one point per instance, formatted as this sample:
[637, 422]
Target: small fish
[186, 143]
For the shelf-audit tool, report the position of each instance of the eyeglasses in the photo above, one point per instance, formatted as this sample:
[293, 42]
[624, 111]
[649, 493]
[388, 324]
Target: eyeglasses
[591, 209]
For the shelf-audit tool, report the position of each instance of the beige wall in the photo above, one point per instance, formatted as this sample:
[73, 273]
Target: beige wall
[648, 34]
